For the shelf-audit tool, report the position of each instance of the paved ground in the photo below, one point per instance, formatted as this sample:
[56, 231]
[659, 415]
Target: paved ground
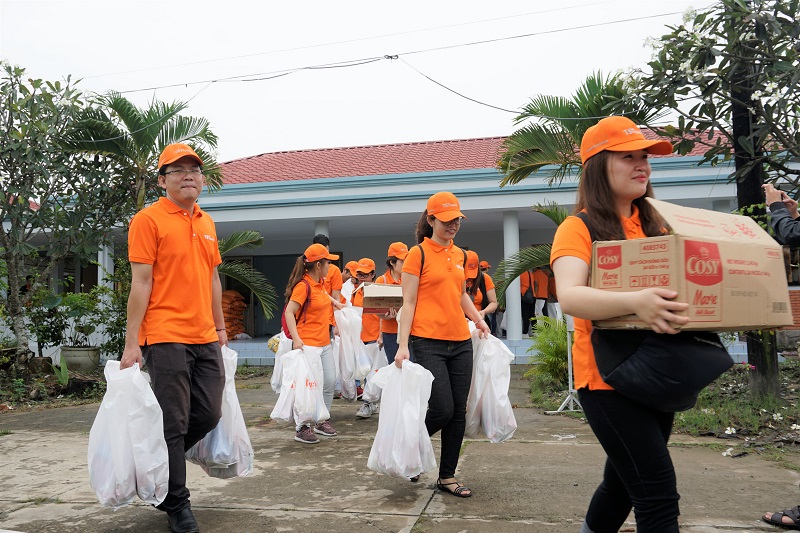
[540, 481]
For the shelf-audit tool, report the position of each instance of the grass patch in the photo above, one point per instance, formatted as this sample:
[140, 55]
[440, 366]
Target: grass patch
[4, 432]
[725, 408]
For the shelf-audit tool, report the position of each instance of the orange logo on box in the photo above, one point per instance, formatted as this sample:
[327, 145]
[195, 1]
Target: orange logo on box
[703, 263]
[609, 257]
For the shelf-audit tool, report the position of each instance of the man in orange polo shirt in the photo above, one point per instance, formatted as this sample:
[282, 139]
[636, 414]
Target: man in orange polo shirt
[541, 283]
[175, 322]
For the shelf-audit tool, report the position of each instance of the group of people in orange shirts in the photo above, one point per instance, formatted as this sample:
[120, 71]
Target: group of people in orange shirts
[443, 286]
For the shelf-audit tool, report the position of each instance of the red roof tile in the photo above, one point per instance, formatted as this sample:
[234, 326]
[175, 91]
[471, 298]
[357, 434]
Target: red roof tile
[429, 156]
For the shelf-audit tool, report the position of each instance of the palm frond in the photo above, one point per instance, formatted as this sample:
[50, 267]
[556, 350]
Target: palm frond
[514, 265]
[253, 280]
[240, 239]
[534, 147]
[553, 211]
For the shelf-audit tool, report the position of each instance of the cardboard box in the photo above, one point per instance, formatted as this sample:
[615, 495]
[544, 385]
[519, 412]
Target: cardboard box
[379, 298]
[728, 269]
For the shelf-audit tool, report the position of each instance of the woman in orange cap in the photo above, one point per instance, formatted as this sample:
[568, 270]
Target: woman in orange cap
[370, 324]
[638, 471]
[480, 287]
[393, 276]
[307, 314]
[432, 328]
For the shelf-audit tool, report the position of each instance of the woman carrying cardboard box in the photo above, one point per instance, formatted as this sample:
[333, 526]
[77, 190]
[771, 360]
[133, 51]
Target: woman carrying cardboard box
[638, 473]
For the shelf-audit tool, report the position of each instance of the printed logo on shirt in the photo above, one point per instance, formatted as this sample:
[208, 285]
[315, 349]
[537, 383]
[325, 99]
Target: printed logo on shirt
[208, 237]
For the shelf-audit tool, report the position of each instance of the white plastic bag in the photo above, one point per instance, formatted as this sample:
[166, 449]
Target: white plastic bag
[127, 453]
[488, 405]
[227, 444]
[348, 320]
[372, 393]
[283, 407]
[364, 358]
[402, 447]
[309, 404]
[284, 347]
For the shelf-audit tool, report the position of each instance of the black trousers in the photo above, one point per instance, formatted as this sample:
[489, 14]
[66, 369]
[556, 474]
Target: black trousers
[638, 472]
[188, 380]
[451, 366]
[527, 313]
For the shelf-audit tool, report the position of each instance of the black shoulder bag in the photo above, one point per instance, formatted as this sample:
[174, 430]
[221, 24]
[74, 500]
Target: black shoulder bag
[661, 371]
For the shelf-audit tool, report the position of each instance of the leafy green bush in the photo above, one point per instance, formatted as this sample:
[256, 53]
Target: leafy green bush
[550, 344]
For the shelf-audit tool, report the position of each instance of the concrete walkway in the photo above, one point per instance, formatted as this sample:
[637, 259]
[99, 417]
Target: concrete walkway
[540, 481]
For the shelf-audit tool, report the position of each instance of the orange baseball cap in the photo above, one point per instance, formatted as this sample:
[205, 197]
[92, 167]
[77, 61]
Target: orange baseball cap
[619, 134]
[472, 264]
[351, 266]
[444, 206]
[485, 264]
[316, 251]
[175, 151]
[365, 265]
[398, 250]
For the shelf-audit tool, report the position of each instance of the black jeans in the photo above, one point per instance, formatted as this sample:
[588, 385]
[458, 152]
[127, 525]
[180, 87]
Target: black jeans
[451, 366]
[527, 313]
[188, 380]
[390, 346]
[639, 472]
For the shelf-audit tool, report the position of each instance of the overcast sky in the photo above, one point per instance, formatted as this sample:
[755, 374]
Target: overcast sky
[201, 52]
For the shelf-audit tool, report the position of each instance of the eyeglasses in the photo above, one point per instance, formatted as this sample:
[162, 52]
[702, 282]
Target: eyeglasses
[194, 172]
[454, 222]
[363, 275]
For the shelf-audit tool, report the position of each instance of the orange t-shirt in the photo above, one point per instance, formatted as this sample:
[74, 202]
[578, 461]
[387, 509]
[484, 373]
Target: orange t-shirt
[478, 299]
[572, 239]
[314, 324]
[184, 253]
[438, 313]
[525, 281]
[540, 279]
[370, 324]
[388, 325]
[333, 282]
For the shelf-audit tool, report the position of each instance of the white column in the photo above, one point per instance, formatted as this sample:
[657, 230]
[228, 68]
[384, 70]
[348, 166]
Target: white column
[321, 226]
[513, 304]
[105, 265]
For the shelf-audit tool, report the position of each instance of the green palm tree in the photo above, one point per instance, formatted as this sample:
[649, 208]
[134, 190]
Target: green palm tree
[551, 143]
[133, 138]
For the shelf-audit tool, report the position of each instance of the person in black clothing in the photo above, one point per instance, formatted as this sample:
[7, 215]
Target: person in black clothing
[784, 219]
[784, 215]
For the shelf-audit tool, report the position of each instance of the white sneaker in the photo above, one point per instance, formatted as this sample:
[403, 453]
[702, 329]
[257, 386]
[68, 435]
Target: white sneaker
[365, 411]
[374, 407]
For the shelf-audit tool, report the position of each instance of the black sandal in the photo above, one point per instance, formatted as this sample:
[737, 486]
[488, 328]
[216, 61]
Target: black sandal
[414, 479]
[461, 491]
[792, 514]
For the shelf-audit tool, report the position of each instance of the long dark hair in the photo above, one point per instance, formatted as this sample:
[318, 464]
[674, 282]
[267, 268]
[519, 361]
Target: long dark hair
[298, 271]
[595, 195]
[423, 229]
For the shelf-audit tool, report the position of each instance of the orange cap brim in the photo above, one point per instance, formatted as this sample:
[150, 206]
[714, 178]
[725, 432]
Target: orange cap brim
[447, 216]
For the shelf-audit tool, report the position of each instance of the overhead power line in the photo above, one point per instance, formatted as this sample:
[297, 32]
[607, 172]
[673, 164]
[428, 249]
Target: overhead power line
[355, 62]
